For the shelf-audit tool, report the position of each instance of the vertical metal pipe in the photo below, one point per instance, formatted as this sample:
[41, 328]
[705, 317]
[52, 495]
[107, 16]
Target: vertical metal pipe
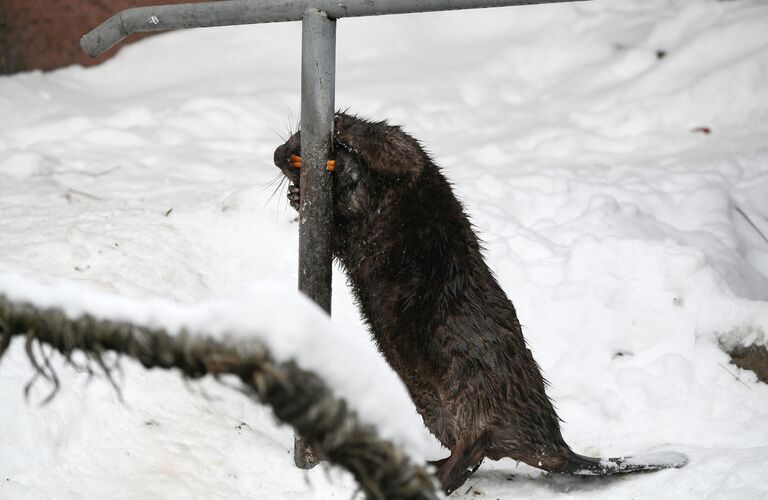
[318, 82]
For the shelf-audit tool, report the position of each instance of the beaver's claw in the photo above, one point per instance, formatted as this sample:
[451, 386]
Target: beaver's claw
[294, 196]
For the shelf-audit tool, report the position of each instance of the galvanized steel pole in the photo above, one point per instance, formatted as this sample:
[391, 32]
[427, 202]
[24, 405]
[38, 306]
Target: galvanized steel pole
[318, 91]
[318, 77]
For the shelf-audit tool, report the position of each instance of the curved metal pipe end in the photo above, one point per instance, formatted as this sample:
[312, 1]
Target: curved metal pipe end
[103, 37]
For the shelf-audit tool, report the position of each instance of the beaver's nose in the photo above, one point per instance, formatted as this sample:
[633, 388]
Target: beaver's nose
[281, 155]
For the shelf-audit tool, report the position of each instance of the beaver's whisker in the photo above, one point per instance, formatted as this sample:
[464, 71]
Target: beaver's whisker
[278, 134]
[279, 186]
[271, 182]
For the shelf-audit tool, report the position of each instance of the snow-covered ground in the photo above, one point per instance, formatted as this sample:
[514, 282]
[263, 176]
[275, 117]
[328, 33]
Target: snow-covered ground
[576, 135]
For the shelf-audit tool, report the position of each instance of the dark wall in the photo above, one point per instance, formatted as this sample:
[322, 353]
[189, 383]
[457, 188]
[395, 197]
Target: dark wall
[45, 34]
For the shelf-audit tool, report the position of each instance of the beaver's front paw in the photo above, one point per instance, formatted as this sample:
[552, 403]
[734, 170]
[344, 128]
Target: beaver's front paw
[294, 196]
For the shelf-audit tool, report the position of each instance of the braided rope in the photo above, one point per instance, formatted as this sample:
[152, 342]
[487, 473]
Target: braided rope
[297, 397]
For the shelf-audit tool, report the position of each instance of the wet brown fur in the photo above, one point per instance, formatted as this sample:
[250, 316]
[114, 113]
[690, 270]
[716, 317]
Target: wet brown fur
[434, 307]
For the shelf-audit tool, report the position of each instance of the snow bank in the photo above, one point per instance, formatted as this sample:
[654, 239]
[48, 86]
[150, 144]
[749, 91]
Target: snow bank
[289, 324]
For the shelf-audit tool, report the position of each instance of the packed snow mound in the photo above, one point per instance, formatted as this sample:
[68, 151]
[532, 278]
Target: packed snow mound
[612, 156]
[287, 322]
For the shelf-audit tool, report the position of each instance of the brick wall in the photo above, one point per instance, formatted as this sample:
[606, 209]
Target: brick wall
[45, 34]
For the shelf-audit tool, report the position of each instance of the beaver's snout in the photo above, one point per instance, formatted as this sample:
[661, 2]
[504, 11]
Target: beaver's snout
[281, 155]
[283, 161]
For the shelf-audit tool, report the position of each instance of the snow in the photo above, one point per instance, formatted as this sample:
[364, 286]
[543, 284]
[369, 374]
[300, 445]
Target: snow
[624, 234]
[290, 324]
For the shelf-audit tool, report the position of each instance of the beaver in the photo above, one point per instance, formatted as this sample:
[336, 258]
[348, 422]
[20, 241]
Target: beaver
[435, 309]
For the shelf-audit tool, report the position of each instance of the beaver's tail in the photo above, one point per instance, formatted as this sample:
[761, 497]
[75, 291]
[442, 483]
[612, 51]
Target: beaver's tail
[579, 465]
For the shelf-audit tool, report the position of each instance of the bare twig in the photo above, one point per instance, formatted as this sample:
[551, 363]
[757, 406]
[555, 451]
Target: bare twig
[735, 376]
[751, 223]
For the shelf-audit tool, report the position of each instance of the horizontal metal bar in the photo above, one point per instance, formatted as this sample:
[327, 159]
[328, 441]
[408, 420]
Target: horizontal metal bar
[231, 12]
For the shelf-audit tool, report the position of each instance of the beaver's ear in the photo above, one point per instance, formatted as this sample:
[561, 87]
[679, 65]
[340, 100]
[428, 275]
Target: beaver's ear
[385, 148]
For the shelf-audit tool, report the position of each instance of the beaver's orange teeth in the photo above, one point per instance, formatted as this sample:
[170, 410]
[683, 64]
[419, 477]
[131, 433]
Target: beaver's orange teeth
[296, 161]
[331, 165]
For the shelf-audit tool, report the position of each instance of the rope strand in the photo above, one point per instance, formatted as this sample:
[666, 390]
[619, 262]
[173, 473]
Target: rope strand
[297, 397]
